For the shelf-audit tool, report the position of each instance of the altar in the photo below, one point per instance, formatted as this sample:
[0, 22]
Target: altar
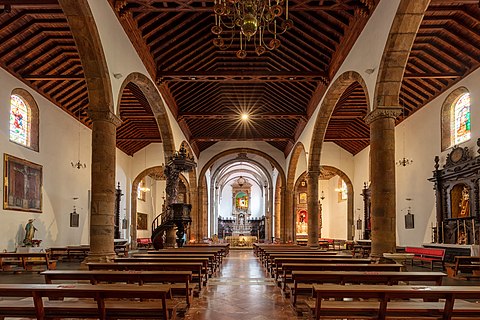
[241, 241]
[457, 196]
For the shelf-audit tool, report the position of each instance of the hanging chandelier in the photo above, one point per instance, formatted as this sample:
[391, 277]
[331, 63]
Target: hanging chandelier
[253, 20]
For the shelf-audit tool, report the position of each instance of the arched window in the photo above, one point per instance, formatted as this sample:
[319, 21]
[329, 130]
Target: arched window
[461, 124]
[456, 118]
[23, 119]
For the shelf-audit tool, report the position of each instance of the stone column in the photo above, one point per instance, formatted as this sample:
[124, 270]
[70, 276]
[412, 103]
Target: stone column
[312, 206]
[104, 126]
[382, 172]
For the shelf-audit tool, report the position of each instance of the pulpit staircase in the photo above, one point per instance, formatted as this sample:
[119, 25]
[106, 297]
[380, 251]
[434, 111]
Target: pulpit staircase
[176, 215]
[160, 225]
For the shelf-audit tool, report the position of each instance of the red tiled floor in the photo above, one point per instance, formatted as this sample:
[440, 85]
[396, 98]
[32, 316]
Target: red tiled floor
[241, 290]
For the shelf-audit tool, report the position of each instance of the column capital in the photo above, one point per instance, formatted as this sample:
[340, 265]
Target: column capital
[313, 174]
[383, 112]
[104, 116]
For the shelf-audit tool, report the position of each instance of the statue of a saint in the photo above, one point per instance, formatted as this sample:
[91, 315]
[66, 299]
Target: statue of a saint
[29, 233]
[465, 203]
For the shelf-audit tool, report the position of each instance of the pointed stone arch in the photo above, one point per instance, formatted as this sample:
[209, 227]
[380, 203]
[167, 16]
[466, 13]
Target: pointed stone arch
[400, 40]
[157, 170]
[326, 109]
[386, 107]
[159, 109]
[329, 102]
[289, 199]
[203, 194]
[104, 122]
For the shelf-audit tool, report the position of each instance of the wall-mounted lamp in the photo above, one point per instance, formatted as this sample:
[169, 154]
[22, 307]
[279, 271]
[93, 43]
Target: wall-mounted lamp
[322, 195]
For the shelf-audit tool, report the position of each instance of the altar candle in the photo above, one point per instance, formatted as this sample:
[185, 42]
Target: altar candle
[458, 231]
[473, 230]
[443, 231]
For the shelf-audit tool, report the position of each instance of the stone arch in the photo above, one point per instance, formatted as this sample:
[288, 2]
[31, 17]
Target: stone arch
[202, 187]
[289, 199]
[157, 170]
[400, 40]
[159, 109]
[350, 200]
[326, 109]
[34, 132]
[446, 116]
[84, 30]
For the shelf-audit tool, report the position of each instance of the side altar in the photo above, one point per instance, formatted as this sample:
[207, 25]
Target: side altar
[457, 199]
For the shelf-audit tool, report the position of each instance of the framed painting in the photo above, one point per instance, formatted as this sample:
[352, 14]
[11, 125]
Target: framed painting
[142, 221]
[302, 197]
[22, 185]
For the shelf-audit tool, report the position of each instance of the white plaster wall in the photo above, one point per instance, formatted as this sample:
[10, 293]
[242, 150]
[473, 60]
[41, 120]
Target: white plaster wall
[422, 144]
[256, 202]
[365, 54]
[147, 207]
[221, 146]
[123, 176]
[122, 57]
[362, 175]
[59, 138]
[337, 212]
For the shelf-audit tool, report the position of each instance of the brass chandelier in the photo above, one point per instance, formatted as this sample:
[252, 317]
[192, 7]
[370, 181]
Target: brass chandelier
[252, 20]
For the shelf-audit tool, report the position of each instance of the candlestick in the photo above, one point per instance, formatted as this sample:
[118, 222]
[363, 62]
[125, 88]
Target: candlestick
[458, 231]
[473, 231]
[465, 231]
[443, 231]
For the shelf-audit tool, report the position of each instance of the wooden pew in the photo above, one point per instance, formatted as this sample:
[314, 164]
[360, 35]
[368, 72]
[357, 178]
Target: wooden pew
[388, 306]
[213, 263]
[140, 277]
[266, 257]
[224, 247]
[270, 256]
[466, 264]
[288, 268]
[195, 267]
[98, 305]
[217, 253]
[204, 261]
[279, 261]
[25, 260]
[303, 280]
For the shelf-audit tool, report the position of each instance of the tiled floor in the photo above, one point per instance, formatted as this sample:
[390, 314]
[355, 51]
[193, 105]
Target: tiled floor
[241, 290]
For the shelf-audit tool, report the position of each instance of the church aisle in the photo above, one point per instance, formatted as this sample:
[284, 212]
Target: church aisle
[241, 290]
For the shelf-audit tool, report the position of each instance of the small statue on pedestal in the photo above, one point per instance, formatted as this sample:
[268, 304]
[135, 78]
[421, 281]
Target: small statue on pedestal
[29, 233]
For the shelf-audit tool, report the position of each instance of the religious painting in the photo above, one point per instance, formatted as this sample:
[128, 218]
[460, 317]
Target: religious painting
[301, 223]
[142, 221]
[241, 200]
[302, 197]
[22, 185]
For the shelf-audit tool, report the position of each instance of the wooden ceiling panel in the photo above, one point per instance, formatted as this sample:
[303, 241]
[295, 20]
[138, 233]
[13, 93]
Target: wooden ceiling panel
[446, 49]
[209, 88]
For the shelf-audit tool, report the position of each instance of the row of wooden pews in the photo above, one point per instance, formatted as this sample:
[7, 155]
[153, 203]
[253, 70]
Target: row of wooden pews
[172, 271]
[374, 290]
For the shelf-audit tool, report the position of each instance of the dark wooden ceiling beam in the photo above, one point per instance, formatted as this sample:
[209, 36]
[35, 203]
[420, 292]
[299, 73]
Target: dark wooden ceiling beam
[271, 116]
[53, 77]
[332, 139]
[250, 76]
[29, 4]
[215, 139]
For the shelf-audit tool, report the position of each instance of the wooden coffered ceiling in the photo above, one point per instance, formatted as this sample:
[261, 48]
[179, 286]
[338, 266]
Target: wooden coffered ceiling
[206, 89]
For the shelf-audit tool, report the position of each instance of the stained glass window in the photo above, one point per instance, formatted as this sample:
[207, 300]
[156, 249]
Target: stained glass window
[461, 125]
[19, 121]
